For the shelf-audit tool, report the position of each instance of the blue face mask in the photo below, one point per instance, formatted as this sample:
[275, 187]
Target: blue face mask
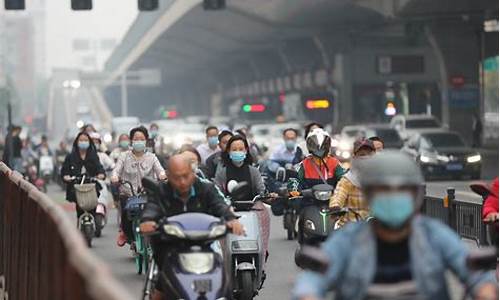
[213, 140]
[83, 145]
[237, 156]
[392, 209]
[153, 133]
[139, 146]
[124, 144]
[290, 144]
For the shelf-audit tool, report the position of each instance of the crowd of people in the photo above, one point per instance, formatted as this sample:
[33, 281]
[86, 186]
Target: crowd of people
[400, 245]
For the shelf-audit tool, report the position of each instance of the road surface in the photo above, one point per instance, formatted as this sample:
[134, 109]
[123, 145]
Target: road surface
[281, 268]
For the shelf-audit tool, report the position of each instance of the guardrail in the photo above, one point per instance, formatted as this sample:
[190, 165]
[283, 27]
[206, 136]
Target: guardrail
[42, 254]
[462, 216]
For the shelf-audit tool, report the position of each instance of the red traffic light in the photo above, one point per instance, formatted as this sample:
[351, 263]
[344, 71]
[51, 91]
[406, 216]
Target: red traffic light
[253, 108]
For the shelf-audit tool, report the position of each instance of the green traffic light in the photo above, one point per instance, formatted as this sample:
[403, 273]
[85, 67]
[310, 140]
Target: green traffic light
[247, 108]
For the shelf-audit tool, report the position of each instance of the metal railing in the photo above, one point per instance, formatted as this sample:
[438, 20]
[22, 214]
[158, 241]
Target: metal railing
[462, 216]
[42, 254]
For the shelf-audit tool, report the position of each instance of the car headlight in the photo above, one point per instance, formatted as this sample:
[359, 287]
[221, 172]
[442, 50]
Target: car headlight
[197, 263]
[474, 158]
[428, 159]
[249, 245]
[344, 145]
[108, 138]
[335, 143]
[309, 225]
[323, 195]
[443, 158]
[217, 231]
[173, 230]
[346, 154]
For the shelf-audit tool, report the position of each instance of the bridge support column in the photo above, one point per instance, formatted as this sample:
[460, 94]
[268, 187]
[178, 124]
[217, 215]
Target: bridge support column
[342, 77]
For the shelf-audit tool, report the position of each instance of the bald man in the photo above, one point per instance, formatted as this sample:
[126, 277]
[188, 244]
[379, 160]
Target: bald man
[183, 192]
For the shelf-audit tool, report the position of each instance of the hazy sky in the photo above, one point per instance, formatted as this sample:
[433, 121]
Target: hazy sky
[107, 19]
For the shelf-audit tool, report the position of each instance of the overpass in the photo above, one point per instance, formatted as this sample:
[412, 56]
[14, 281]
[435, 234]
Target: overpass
[353, 53]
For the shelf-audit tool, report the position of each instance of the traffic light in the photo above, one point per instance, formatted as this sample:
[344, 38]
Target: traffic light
[317, 104]
[253, 108]
[147, 5]
[14, 4]
[81, 4]
[214, 4]
[169, 114]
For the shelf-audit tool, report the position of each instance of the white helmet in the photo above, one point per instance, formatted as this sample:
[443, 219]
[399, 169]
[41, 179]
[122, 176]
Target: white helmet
[318, 142]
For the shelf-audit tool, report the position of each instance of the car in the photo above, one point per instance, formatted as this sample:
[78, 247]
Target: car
[407, 125]
[389, 135]
[443, 153]
[270, 135]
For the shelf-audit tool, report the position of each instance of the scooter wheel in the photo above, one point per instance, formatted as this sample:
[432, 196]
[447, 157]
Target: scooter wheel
[88, 233]
[246, 285]
[99, 221]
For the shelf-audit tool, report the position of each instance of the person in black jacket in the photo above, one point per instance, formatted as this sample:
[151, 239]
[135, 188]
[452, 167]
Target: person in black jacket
[183, 192]
[82, 160]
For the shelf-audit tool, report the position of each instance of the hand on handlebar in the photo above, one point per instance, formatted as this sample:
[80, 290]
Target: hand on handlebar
[115, 179]
[148, 227]
[491, 217]
[236, 227]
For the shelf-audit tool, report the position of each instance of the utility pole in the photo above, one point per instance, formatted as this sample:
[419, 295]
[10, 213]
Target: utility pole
[124, 94]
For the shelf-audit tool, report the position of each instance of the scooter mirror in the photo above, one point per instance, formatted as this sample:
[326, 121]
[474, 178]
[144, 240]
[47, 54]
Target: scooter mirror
[241, 192]
[483, 259]
[281, 174]
[151, 185]
[312, 258]
[231, 185]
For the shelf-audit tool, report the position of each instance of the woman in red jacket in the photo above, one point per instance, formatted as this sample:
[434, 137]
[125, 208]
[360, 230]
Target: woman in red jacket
[490, 206]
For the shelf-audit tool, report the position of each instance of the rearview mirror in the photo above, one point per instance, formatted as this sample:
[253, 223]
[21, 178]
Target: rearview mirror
[151, 185]
[313, 259]
[241, 191]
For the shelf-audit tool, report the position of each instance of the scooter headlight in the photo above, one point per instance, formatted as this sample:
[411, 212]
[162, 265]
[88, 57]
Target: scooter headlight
[197, 263]
[249, 245]
[217, 231]
[323, 195]
[173, 230]
[309, 225]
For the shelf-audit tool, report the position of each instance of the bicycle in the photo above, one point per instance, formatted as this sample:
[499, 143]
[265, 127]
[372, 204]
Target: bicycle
[142, 250]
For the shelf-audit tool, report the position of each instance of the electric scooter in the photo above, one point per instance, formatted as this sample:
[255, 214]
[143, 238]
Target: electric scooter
[247, 252]
[87, 200]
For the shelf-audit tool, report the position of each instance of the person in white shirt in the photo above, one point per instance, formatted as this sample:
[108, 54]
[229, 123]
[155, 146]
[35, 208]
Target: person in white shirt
[212, 145]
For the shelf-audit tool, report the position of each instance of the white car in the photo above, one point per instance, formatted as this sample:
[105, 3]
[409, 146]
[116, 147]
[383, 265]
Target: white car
[407, 125]
[270, 135]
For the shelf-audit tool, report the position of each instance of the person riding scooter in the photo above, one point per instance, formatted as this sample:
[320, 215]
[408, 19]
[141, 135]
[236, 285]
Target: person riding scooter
[399, 246]
[82, 160]
[183, 192]
[348, 190]
[319, 167]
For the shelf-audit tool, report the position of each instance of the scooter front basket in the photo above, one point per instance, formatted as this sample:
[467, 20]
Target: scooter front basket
[86, 196]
